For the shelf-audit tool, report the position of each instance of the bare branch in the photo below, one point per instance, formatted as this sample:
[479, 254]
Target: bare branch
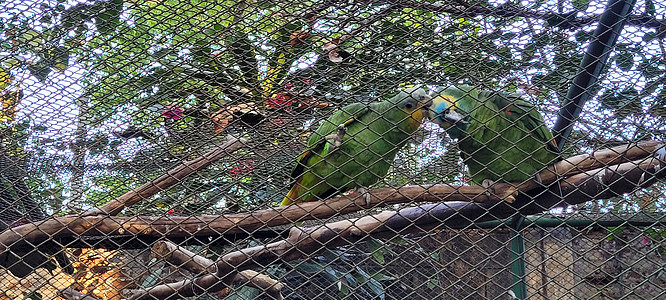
[183, 258]
[197, 264]
[167, 180]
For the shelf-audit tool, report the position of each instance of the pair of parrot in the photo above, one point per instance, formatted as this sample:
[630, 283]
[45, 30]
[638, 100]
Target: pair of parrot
[501, 136]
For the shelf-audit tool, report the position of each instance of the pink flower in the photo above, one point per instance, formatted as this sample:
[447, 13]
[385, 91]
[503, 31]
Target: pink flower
[173, 112]
[645, 240]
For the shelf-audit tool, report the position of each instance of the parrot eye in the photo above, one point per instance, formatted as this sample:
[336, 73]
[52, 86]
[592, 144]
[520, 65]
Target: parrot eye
[410, 105]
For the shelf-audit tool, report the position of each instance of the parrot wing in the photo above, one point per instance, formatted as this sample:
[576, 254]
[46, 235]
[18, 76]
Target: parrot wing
[317, 145]
[519, 110]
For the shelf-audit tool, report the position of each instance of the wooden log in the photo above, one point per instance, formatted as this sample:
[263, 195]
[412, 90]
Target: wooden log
[584, 162]
[183, 258]
[169, 226]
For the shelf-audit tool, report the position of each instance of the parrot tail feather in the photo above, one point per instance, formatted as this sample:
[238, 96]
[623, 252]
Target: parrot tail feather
[293, 194]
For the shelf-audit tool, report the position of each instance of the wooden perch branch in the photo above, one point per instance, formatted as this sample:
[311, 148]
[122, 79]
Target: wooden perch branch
[77, 226]
[580, 163]
[197, 264]
[183, 258]
[167, 180]
[603, 182]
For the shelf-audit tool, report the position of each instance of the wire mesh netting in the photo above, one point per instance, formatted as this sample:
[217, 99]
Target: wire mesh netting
[397, 149]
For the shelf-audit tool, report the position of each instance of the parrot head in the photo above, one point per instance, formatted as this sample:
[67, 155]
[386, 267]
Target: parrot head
[446, 112]
[415, 102]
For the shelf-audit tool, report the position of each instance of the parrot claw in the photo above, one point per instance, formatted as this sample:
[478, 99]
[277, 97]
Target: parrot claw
[487, 183]
[537, 178]
[489, 186]
[337, 138]
[366, 195]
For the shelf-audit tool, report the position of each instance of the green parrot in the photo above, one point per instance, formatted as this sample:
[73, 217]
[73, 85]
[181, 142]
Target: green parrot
[356, 145]
[501, 136]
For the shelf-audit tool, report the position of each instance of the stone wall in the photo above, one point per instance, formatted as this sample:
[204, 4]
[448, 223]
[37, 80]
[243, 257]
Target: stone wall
[599, 264]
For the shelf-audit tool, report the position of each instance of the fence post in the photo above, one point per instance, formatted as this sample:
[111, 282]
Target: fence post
[518, 257]
[582, 88]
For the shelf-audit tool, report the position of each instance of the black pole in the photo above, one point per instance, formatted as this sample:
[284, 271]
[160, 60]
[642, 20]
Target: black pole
[604, 38]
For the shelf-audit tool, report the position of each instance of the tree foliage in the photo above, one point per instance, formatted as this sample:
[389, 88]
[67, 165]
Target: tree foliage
[158, 76]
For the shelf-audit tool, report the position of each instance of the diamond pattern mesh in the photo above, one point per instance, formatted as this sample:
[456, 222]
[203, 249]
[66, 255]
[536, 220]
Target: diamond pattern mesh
[432, 149]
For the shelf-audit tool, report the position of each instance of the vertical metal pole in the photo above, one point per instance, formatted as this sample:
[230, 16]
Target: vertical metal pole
[518, 257]
[603, 40]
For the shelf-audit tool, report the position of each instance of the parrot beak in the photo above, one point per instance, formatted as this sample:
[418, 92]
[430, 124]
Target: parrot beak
[450, 116]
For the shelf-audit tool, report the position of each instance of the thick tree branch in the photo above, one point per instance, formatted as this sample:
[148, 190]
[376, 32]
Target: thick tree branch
[161, 227]
[197, 264]
[183, 258]
[303, 242]
[167, 180]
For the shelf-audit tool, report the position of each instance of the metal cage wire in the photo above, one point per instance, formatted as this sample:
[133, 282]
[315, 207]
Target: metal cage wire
[437, 150]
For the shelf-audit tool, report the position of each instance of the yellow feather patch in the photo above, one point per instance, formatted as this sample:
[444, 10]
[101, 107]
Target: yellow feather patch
[291, 196]
[450, 100]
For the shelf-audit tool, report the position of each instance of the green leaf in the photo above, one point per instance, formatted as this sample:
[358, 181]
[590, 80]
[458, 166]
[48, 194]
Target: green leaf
[58, 58]
[624, 60]
[10, 62]
[583, 36]
[382, 277]
[109, 19]
[624, 103]
[538, 4]
[32, 38]
[649, 68]
[432, 283]
[435, 256]
[398, 240]
[614, 232]
[34, 296]
[377, 250]
[372, 283]
[41, 70]
[528, 52]
[580, 5]
[309, 268]
[244, 293]
[649, 8]
[153, 277]
[649, 36]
